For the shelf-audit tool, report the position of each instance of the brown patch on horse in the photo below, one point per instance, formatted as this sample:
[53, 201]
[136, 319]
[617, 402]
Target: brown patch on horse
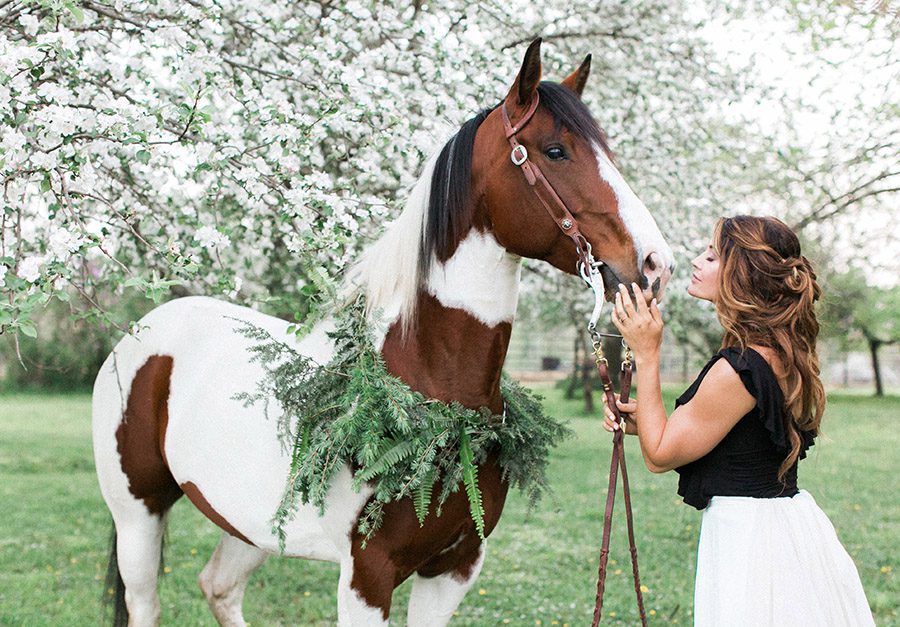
[140, 436]
[450, 356]
[200, 502]
[445, 544]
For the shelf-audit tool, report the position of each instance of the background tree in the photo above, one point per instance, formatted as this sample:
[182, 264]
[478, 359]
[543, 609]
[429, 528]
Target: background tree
[855, 313]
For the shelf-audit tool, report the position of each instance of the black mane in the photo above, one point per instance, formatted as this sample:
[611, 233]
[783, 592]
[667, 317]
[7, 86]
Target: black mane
[449, 207]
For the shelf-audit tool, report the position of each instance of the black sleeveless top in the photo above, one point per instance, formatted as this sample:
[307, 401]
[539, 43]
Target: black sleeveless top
[746, 461]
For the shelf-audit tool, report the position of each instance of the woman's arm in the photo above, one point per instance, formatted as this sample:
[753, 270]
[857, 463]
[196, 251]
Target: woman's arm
[696, 427]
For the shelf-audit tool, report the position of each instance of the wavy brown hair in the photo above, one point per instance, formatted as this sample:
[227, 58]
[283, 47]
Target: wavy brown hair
[767, 291]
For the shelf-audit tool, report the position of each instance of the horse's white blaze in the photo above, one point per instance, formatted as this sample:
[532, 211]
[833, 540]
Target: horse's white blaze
[638, 221]
[481, 278]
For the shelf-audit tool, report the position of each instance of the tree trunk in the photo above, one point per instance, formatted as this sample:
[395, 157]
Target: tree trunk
[874, 345]
[576, 361]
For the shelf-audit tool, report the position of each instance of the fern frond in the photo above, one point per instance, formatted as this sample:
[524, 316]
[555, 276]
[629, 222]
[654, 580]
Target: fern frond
[470, 479]
[422, 496]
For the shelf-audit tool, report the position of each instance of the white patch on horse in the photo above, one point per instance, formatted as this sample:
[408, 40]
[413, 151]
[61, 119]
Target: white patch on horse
[434, 599]
[353, 611]
[481, 278]
[638, 221]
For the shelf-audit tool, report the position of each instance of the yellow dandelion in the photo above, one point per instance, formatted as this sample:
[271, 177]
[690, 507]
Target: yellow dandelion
[193, 551]
[482, 591]
[456, 613]
[506, 621]
[613, 562]
[617, 571]
[652, 612]
[306, 593]
[73, 560]
[644, 588]
[537, 621]
[612, 614]
[886, 569]
[554, 622]
[857, 507]
[167, 570]
[110, 591]
[49, 568]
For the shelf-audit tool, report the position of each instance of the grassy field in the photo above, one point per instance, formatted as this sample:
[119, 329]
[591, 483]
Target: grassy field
[541, 567]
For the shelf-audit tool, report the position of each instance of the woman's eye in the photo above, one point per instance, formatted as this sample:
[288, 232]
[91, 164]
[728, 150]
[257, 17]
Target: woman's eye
[555, 153]
[710, 259]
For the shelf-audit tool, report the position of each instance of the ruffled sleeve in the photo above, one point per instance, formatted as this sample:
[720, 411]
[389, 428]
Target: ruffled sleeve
[760, 381]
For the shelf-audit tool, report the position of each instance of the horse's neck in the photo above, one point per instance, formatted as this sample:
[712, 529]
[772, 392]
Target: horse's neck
[456, 348]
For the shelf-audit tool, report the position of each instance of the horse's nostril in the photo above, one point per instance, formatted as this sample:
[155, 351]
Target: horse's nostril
[652, 262]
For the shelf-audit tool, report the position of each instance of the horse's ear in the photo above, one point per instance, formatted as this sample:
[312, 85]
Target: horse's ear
[526, 83]
[576, 80]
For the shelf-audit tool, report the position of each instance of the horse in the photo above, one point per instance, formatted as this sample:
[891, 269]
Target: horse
[444, 277]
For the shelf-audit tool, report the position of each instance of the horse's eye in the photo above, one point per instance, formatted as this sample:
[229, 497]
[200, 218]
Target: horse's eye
[555, 153]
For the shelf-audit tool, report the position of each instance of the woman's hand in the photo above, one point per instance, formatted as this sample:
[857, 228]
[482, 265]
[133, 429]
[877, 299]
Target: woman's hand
[627, 409]
[641, 326]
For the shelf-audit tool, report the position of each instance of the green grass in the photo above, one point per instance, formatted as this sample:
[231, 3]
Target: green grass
[541, 567]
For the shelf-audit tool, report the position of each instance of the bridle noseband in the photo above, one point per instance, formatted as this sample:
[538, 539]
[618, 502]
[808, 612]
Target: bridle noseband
[587, 266]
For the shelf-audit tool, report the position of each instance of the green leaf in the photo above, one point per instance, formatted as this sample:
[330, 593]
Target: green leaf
[143, 156]
[470, 479]
[77, 13]
[28, 328]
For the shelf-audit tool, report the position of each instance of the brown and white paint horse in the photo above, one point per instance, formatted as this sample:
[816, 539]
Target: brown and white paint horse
[445, 275]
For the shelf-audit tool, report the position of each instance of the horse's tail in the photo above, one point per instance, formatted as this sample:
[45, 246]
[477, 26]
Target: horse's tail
[114, 591]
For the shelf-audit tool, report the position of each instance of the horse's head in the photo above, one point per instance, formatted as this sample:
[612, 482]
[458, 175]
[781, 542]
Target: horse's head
[566, 144]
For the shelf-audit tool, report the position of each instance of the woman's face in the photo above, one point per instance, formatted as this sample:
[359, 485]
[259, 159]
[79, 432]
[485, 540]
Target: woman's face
[705, 278]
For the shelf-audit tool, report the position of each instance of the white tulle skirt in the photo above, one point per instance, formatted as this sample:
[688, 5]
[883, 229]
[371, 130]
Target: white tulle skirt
[774, 562]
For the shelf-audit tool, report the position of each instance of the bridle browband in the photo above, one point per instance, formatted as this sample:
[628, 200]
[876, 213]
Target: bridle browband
[589, 269]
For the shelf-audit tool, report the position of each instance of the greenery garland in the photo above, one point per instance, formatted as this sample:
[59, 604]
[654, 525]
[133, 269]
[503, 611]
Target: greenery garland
[352, 411]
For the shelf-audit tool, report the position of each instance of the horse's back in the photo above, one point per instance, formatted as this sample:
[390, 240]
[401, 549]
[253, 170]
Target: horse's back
[175, 383]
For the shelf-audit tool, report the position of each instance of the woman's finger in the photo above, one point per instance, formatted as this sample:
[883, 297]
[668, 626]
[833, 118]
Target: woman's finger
[626, 300]
[640, 303]
[629, 408]
[655, 312]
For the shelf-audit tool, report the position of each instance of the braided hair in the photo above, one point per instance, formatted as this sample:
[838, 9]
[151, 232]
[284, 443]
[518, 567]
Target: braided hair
[767, 291]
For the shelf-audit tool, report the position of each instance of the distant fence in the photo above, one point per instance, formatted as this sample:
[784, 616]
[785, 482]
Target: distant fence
[538, 353]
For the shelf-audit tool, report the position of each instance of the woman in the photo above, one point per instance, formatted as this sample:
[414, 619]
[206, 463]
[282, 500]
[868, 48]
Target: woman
[767, 555]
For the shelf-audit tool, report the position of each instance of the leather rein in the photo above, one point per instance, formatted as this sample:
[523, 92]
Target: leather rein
[589, 269]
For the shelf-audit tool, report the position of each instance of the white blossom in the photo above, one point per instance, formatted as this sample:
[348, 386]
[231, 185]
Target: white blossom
[30, 23]
[30, 268]
[210, 238]
[61, 242]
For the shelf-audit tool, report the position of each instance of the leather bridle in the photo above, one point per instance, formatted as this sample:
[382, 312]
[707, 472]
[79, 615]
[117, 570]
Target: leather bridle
[589, 269]
[541, 186]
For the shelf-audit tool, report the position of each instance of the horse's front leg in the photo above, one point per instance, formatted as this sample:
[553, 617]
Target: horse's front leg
[365, 589]
[434, 599]
[225, 577]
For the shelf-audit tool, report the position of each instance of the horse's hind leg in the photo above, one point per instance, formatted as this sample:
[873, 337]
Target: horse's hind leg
[434, 599]
[139, 536]
[224, 579]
